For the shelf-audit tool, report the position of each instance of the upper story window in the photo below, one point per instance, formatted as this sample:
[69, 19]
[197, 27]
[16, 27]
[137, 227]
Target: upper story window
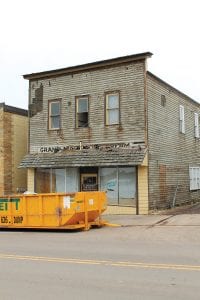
[54, 114]
[194, 173]
[112, 108]
[181, 119]
[82, 104]
[196, 125]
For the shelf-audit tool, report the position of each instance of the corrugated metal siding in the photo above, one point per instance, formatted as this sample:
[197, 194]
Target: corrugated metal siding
[170, 152]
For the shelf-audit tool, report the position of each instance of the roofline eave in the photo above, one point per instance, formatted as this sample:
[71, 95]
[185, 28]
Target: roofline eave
[88, 66]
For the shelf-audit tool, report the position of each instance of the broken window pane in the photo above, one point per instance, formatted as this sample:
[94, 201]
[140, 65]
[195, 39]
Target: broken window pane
[82, 112]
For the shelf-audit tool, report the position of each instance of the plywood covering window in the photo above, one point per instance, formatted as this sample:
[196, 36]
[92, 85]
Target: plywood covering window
[112, 108]
[54, 114]
[82, 111]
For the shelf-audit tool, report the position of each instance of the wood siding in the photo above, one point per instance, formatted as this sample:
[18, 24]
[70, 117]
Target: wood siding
[31, 180]
[128, 79]
[170, 152]
[143, 200]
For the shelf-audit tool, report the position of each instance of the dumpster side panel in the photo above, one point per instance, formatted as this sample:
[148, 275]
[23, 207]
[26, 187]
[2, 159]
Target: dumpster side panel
[32, 213]
[51, 210]
[11, 211]
[88, 205]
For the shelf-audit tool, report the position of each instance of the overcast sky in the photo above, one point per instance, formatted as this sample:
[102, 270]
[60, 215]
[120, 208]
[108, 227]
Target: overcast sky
[42, 35]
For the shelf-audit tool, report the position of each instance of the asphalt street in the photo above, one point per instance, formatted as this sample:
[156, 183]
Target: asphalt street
[148, 257]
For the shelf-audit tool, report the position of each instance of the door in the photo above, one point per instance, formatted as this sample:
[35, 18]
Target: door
[89, 182]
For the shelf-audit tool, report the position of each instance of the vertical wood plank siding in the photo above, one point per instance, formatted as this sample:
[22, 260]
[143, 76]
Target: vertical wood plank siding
[31, 180]
[128, 79]
[170, 152]
[143, 204]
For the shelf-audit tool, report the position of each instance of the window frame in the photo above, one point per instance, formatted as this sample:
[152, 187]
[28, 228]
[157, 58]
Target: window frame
[107, 94]
[51, 116]
[196, 125]
[181, 119]
[77, 98]
[194, 176]
[117, 185]
[46, 180]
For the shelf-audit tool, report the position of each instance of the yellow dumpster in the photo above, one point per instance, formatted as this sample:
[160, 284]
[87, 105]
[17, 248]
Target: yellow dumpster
[53, 211]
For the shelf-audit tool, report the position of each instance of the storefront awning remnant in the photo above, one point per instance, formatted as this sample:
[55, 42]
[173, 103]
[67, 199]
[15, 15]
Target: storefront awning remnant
[85, 158]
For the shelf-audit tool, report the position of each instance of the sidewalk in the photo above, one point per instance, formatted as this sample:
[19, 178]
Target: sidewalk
[188, 215]
[154, 220]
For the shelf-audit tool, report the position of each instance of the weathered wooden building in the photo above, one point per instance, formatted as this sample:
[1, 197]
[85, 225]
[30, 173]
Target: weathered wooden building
[13, 147]
[112, 125]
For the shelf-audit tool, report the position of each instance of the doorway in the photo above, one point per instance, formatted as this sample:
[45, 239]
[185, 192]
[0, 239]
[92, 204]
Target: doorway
[89, 182]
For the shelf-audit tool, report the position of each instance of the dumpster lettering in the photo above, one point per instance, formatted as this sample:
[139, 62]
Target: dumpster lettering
[3, 206]
[4, 203]
[4, 219]
[18, 220]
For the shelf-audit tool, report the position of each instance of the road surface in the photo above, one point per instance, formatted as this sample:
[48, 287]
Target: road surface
[133, 262]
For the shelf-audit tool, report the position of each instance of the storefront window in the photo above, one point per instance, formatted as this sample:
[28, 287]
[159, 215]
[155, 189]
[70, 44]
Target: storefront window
[120, 185]
[57, 180]
[118, 182]
[127, 186]
[109, 183]
[43, 180]
[72, 180]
